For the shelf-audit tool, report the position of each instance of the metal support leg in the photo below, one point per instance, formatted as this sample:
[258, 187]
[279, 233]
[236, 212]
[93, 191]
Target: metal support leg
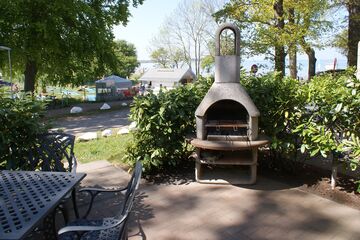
[73, 198]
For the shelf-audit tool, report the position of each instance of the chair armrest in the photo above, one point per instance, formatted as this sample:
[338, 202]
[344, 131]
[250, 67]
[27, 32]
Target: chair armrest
[94, 192]
[74, 164]
[90, 228]
[100, 190]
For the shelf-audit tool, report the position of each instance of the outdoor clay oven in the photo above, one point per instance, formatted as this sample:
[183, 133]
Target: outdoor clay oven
[227, 138]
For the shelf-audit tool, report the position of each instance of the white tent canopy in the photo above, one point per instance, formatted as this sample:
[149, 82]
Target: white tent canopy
[167, 77]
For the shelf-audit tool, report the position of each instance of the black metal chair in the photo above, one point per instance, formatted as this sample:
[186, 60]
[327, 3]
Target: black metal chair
[54, 152]
[107, 228]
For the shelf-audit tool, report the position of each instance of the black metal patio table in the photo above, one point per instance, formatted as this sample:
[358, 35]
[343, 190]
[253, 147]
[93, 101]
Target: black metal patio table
[27, 197]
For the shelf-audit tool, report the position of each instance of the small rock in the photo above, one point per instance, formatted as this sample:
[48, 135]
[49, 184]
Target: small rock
[123, 131]
[88, 136]
[106, 133]
[76, 110]
[132, 126]
[124, 104]
[105, 106]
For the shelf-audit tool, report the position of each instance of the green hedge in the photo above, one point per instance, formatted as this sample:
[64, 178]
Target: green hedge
[317, 117]
[20, 122]
[163, 121]
[277, 101]
[330, 122]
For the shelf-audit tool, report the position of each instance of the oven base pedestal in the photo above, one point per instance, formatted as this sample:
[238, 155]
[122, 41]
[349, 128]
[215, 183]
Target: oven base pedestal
[233, 167]
[218, 175]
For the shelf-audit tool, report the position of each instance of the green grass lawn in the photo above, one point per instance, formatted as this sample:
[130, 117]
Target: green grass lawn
[111, 149]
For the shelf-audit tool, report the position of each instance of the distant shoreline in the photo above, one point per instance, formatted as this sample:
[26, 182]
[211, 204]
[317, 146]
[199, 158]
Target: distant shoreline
[266, 65]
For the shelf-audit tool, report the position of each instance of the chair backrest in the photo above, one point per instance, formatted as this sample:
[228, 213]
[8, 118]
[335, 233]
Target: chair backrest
[129, 198]
[131, 189]
[53, 152]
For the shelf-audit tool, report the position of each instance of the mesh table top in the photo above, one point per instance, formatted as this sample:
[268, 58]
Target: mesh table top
[26, 197]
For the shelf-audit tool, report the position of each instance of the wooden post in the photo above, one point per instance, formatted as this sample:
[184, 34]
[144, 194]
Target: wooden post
[334, 169]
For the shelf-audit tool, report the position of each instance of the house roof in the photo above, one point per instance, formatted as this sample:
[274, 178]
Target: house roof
[116, 81]
[113, 78]
[167, 74]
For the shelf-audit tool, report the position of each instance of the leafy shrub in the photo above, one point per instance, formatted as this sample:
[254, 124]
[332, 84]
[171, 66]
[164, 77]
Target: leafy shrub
[318, 117]
[277, 101]
[331, 120]
[20, 122]
[321, 116]
[163, 122]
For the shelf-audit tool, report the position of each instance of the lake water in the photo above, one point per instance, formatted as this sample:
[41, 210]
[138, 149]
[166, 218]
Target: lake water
[267, 66]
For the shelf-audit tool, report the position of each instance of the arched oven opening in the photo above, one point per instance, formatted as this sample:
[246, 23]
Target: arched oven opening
[226, 120]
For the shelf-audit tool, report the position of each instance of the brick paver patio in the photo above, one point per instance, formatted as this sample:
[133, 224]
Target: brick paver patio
[267, 210]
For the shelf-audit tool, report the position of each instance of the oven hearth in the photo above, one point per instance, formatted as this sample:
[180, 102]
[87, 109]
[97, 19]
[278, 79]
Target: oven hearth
[227, 139]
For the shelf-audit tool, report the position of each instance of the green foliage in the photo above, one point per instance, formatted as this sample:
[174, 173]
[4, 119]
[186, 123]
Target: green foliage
[126, 58]
[163, 121]
[105, 148]
[341, 42]
[68, 41]
[20, 123]
[161, 56]
[266, 25]
[319, 117]
[331, 120]
[277, 102]
[207, 63]
[352, 145]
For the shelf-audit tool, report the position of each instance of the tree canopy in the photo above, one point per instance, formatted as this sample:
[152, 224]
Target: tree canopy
[161, 56]
[68, 41]
[275, 27]
[126, 58]
[186, 33]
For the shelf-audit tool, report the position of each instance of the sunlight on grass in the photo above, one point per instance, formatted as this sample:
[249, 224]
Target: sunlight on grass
[111, 149]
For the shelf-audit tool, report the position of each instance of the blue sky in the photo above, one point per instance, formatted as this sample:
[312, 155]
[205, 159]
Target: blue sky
[145, 23]
[147, 19]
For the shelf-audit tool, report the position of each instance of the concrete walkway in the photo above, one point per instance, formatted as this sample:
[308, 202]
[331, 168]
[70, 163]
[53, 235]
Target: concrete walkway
[267, 210]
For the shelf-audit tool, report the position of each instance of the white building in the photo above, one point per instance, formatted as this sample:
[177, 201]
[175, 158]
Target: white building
[166, 77]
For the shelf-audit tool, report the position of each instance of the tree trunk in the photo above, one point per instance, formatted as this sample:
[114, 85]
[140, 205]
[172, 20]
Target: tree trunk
[196, 57]
[312, 59]
[280, 60]
[292, 48]
[279, 50]
[353, 7]
[30, 76]
[312, 63]
[293, 62]
[199, 59]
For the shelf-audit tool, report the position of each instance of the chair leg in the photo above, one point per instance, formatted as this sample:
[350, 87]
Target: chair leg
[49, 226]
[65, 212]
[73, 198]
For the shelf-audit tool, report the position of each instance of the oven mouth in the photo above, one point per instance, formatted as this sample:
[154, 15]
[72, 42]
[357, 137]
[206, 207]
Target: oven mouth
[227, 110]
[226, 120]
